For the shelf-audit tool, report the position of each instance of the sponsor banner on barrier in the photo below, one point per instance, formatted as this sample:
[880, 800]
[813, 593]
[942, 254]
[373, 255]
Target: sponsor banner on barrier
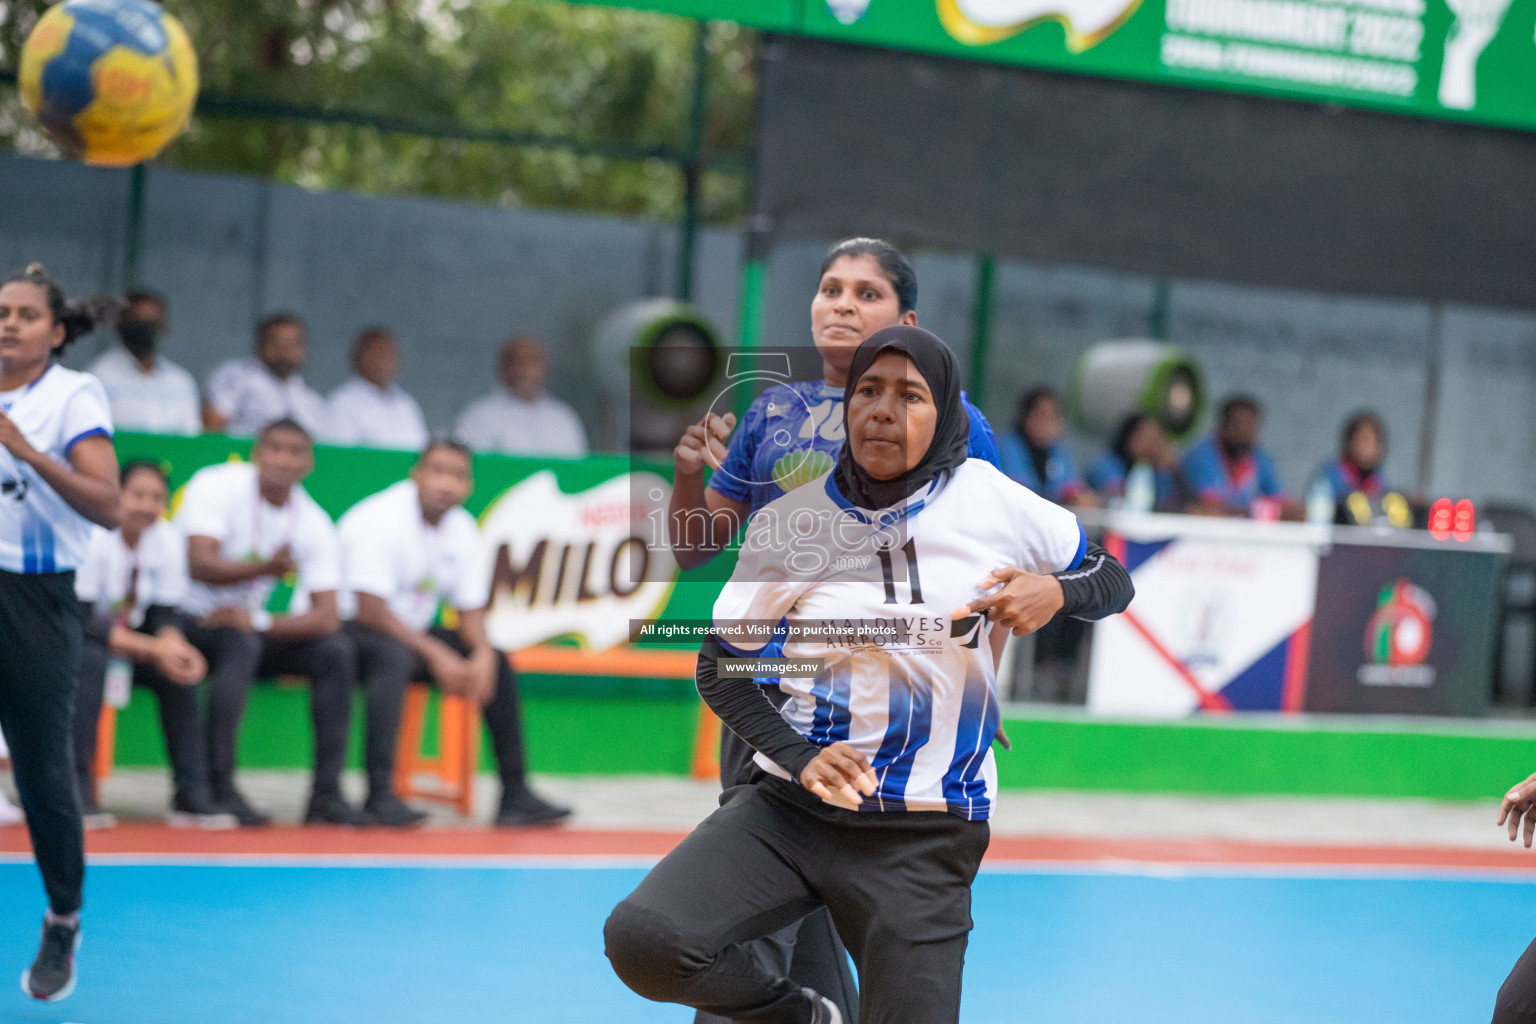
[573, 558]
[1218, 624]
[1468, 60]
[1232, 615]
[1403, 631]
[577, 566]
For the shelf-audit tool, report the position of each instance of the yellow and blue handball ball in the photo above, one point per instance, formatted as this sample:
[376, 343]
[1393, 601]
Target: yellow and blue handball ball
[112, 82]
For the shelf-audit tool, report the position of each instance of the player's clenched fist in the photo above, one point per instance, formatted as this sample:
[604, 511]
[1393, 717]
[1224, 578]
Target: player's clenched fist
[705, 441]
[838, 775]
[1019, 600]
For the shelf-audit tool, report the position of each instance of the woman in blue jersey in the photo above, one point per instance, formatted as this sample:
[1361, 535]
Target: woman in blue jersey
[793, 433]
[1035, 452]
[874, 782]
[58, 475]
[1139, 439]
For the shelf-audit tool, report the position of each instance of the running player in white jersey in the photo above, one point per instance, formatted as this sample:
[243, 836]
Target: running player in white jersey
[792, 433]
[58, 475]
[877, 778]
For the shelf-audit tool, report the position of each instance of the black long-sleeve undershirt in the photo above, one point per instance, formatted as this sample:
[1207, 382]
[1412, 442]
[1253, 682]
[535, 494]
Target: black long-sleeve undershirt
[1098, 587]
[744, 707]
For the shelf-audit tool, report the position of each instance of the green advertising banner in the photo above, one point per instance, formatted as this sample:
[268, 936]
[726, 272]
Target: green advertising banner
[569, 541]
[1464, 60]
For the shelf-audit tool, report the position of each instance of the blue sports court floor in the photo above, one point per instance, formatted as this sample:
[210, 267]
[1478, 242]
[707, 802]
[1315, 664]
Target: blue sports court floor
[328, 942]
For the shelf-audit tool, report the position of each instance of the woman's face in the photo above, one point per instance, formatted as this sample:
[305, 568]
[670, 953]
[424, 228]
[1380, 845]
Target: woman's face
[27, 330]
[891, 417]
[1365, 447]
[1043, 425]
[854, 300]
[1146, 441]
[144, 501]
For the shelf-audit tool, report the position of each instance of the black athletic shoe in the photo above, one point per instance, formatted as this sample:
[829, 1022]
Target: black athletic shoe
[389, 811]
[823, 1010]
[522, 808]
[194, 808]
[331, 809]
[233, 803]
[52, 975]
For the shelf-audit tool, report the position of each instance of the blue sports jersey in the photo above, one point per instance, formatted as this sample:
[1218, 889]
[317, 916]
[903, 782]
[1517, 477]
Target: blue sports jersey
[1108, 474]
[793, 433]
[1062, 481]
[1344, 480]
[1214, 477]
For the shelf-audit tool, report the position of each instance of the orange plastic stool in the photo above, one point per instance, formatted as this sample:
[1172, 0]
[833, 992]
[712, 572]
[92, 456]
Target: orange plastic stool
[106, 744]
[450, 776]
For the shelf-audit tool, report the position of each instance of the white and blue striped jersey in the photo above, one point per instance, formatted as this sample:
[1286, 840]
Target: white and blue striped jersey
[912, 690]
[39, 532]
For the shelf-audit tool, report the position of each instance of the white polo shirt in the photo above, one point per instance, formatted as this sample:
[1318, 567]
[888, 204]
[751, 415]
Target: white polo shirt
[223, 502]
[251, 396]
[390, 551]
[502, 422]
[153, 573]
[162, 401]
[39, 532]
[361, 413]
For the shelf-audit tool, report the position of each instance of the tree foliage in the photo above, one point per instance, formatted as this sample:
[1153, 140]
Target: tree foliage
[592, 73]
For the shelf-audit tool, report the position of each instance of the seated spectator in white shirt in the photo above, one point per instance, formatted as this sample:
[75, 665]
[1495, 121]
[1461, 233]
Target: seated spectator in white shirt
[244, 395]
[147, 391]
[405, 551]
[371, 410]
[133, 582]
[251, 526]
[522, 418]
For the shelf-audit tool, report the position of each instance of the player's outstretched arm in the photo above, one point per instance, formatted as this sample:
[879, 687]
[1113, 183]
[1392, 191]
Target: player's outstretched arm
[1520, 805]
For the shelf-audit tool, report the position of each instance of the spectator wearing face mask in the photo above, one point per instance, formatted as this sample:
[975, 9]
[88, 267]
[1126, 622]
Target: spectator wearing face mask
[1229, 470]
[147, 392]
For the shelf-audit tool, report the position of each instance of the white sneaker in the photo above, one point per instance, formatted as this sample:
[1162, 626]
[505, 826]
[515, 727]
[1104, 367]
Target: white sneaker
[10, 814]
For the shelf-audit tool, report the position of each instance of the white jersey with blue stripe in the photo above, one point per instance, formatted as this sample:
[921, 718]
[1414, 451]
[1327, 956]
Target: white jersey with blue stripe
[870, 595]
[39, 532]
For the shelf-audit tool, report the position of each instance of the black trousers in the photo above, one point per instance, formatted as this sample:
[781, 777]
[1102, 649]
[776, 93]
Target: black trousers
[386, 667]
[178, 706]
[1516, 1003]
[40, 637]
[237, 658]
[898, 886]
[809, 952]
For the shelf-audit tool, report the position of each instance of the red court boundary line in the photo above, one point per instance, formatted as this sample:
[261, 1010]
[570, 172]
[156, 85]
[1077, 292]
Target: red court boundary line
[448, 845]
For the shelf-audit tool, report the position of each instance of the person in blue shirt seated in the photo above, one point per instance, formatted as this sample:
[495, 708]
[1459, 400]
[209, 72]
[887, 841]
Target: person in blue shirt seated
[1036, 455]
[1357, 467]
[1229, 471]
[1138, 439]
